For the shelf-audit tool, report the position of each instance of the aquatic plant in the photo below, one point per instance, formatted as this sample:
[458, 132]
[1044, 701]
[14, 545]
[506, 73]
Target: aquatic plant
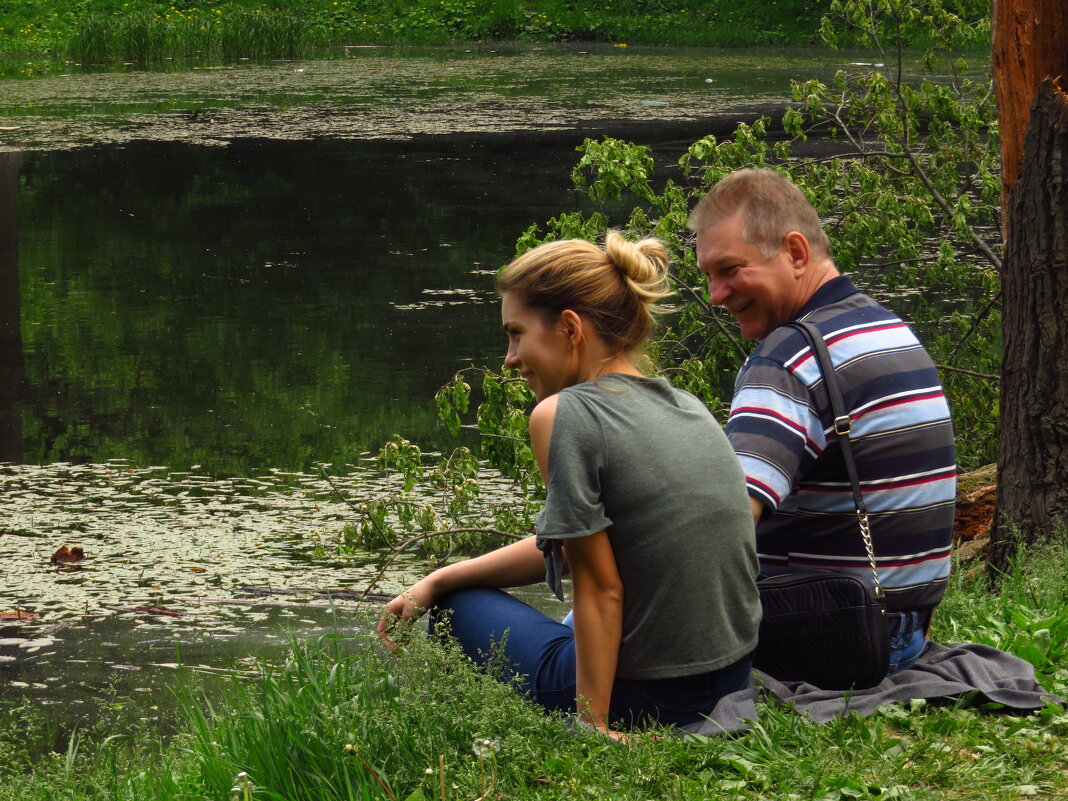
[208, 34]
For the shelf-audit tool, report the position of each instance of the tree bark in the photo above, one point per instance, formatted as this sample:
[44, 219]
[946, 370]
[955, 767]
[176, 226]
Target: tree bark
[1033, 449]
[1030, 43]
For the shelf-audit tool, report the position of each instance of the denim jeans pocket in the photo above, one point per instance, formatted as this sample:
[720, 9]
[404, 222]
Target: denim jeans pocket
[907, 639]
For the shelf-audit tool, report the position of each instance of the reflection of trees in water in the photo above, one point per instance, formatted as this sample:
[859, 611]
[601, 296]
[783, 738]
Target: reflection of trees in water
[260, 305]
[11, 363]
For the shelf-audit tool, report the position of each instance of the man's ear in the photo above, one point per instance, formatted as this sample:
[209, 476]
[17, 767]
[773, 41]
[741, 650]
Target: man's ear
[572, 325]
[797, 247]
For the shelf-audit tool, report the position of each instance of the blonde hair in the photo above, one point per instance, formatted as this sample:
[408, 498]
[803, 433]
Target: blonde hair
[615, 287]
[771, 207]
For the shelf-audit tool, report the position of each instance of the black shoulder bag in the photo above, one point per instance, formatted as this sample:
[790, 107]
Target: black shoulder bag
[821, 627]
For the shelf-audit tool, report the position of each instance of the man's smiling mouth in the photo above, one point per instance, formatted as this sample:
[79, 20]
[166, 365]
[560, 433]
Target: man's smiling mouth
[743, 307]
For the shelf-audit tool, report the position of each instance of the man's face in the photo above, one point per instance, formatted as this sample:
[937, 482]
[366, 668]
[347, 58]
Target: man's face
[761, 293]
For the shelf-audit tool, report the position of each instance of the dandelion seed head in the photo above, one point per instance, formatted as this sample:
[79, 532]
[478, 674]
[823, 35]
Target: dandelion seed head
[485, 748]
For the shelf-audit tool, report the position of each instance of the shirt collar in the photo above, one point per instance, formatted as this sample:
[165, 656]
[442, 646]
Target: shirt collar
[838, 288]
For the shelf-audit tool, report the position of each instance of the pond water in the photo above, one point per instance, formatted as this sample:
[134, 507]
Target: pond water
[375, 93]
[181, 569]
[216, 280]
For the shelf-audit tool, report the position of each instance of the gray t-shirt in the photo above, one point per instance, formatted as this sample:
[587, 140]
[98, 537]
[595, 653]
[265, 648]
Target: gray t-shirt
[648, 463]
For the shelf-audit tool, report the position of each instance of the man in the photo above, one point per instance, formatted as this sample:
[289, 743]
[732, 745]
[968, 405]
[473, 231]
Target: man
[768, 262]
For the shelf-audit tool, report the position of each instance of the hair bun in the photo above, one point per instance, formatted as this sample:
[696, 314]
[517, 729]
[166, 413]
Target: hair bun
[643, 263]
[616, 286]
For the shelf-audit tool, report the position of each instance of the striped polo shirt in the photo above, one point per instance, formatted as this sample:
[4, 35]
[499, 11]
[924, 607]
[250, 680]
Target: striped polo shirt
[781, 428]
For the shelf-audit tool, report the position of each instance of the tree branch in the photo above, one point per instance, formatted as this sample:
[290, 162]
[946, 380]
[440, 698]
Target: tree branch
[474, 427]
[337, 491]
[988, 376]
[397, 550]
[859, 154]
[977, 318]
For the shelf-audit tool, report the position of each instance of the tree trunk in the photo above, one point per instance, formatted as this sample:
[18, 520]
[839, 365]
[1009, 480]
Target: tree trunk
[1033, 449]
[1030, 43]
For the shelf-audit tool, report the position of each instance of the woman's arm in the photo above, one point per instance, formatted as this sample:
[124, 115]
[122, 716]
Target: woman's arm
[598, 592]
[513, 565]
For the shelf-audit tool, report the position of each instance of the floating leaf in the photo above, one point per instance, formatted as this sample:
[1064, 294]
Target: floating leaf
[18, 615]
[68, 556]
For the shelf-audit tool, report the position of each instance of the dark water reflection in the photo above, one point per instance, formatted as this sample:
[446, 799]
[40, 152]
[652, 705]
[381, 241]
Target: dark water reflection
[11, 366]
[266, 304]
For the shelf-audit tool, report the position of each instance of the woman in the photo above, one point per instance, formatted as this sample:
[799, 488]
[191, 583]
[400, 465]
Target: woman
[645, 507]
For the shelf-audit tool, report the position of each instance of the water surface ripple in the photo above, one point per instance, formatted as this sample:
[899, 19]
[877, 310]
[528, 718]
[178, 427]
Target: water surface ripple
[399, 93]
[188, 544]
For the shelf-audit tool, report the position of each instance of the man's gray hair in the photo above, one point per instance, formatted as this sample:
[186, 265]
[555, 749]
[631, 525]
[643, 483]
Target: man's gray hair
[771, 206]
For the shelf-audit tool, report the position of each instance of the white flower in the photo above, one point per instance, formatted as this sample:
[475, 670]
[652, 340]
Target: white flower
[485, 748]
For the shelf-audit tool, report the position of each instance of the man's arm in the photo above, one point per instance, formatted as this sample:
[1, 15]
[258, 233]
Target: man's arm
[757, 507]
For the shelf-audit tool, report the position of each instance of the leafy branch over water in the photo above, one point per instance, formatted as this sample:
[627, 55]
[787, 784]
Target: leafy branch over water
[436, 511]
[911, 200]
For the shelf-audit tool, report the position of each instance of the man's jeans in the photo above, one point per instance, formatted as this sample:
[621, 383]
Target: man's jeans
[907, 638]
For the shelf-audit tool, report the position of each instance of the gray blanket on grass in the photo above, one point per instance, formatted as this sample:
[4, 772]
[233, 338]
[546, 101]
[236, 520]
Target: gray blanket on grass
[978, 673]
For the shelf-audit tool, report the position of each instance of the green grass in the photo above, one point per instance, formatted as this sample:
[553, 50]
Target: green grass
[340, 719]
[148, 37]
[150, 30]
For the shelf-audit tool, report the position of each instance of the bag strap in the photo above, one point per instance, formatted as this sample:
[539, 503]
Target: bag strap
[843, 425]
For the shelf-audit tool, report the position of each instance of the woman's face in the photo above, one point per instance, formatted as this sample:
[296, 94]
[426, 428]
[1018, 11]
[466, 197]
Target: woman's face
[540, 352]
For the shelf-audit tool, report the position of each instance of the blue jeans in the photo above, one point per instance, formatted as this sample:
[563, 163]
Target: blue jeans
[906, 630]
[516, 642]
[907, 638]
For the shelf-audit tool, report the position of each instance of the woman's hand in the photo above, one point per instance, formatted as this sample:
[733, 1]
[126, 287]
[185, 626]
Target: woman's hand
[406, 608]
[586, 723]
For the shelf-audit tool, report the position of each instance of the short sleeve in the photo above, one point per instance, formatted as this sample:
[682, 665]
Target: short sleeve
[773, 430]
[573, 503]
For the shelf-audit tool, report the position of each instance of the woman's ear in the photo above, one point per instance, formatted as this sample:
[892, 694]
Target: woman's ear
[572, 324]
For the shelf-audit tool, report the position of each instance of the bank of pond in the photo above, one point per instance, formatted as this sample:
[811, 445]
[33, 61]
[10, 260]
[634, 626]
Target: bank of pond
[337, 717]
[146, 31]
